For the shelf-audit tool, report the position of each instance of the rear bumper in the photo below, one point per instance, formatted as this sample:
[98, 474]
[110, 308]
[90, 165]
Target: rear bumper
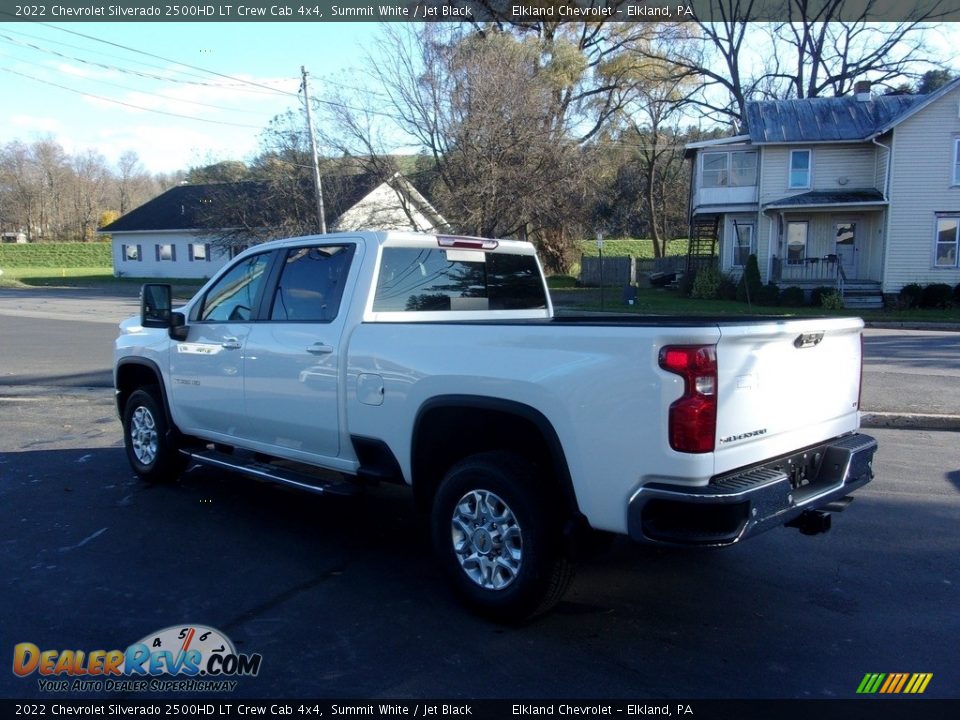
[740, 504]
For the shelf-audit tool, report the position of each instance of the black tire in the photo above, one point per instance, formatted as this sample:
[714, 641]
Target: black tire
[510, 570]
[151, 451]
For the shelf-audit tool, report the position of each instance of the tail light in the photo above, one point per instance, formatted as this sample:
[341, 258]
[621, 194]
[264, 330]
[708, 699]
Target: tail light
[693, 418]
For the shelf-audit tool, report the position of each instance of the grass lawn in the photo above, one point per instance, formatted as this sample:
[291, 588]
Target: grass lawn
[86, 277]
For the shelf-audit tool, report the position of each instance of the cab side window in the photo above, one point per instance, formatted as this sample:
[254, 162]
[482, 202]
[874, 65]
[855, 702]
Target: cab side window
[311, 284]
[234, 296]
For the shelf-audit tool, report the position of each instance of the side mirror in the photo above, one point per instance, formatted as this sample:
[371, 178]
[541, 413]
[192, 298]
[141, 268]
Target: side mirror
[156, 304]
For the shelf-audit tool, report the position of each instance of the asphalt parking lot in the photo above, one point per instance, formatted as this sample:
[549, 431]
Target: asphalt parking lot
[341, 598]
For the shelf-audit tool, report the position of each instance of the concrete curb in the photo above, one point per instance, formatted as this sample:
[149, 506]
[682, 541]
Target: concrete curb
[895, 325]
[909, 421]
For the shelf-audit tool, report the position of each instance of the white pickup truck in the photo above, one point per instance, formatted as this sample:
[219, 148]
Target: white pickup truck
[436, 361]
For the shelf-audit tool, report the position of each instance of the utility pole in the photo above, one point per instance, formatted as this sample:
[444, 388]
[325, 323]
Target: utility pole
[317, 185]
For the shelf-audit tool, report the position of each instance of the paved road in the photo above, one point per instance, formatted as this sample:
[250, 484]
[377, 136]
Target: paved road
[915, 371]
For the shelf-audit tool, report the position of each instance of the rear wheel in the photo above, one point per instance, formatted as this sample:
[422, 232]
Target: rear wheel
[146, 437]
[496, 532]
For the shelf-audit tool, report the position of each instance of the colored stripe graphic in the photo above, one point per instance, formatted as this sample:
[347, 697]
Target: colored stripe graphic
[870, 683]
[894, 683]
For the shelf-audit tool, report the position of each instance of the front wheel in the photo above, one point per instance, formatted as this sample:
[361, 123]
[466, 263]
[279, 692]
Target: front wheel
[150, 450]
[497, 534]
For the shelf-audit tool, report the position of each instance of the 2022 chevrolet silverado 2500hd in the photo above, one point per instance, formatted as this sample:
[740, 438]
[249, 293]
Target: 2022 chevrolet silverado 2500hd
[436, 361]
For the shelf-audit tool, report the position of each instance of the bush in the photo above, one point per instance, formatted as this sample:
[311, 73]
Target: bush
[727, 290]
[937, 295]
[910, 296]
[831, 300]
[768, 294]
[793, 297]
[956, 295]
[706, 284]
[748, 289]
[816, 295]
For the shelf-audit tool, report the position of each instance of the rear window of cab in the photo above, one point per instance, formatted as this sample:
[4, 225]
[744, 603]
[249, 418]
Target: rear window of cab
[430, 280]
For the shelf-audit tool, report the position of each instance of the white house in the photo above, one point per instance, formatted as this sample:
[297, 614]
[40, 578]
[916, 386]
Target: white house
[860, 192]
[171, 237]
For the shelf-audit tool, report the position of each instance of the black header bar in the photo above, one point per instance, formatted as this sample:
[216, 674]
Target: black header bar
[468, 10]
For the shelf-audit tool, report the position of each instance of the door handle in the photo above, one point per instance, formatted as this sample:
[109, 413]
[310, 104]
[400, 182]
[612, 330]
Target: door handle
[230, 343]
[319, 348]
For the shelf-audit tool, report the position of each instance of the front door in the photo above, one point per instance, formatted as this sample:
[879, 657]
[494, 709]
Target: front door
[206, 369]
[845, 235]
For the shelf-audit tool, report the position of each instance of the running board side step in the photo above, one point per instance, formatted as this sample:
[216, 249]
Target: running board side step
[260, 470]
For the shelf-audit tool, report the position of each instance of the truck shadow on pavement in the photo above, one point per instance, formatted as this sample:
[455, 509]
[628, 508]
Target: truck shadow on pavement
[341, 597]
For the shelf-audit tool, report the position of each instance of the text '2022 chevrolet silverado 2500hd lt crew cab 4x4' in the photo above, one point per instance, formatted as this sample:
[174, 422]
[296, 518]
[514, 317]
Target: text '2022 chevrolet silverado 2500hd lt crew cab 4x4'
[436, 361]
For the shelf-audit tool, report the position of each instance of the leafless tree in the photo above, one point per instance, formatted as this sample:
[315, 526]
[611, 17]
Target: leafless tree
[50, 195]
[483, 108]
[814, 48]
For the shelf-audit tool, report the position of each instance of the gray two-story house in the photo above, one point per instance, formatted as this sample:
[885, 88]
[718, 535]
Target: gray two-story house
[858, 192]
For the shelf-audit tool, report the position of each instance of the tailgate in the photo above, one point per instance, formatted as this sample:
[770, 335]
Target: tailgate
[784, 385]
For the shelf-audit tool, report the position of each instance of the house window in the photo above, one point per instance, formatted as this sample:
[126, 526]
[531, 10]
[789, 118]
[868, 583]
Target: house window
[956, 161]
[742, 243]
[166, 251]
[796, 242]
[947, 244]
[729, 169]
[743, 169]
[199, 251]
[799, 168]
[714, 170]
[131, 253]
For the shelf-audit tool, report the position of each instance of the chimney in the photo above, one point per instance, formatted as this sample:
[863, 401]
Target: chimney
[861, 90]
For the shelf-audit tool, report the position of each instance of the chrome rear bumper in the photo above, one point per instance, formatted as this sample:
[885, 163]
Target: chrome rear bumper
[743, 503]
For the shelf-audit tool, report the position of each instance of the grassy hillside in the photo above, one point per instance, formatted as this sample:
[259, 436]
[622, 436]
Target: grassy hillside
[642, 249]
[55, 255]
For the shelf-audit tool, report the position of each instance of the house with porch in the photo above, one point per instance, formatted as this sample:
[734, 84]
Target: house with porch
[861, 193]
[173, 236]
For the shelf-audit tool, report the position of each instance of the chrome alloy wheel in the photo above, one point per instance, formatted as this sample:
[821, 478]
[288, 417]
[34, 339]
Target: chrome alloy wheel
[487, 540]
[143, 435]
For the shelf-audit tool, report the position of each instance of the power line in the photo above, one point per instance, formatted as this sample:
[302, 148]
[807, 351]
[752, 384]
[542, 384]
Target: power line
[171, 98]
[127, 71]
[126, 104]
[165, 59]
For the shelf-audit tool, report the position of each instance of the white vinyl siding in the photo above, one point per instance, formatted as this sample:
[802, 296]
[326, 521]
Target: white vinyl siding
[922, 192]
[834, 167]
[150, 266]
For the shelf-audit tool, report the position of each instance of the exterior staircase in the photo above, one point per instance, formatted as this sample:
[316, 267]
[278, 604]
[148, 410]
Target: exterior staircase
[862, 295]
[702, 247]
